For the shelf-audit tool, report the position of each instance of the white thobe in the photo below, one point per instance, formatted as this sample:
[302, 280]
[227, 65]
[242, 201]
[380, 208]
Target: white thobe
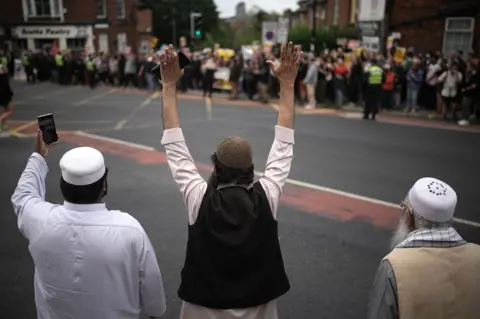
[193, 187]
[90, 262]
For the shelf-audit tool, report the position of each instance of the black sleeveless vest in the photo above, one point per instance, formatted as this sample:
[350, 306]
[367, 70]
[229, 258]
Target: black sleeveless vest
[233, 255]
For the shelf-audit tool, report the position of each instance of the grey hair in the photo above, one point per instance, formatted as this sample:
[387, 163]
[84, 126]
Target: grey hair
[423, 223]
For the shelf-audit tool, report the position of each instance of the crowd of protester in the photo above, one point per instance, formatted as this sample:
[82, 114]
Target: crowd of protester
[449, 86]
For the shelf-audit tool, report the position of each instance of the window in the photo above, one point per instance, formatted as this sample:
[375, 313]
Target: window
[120, 9]
[323, 15]
[122, 42]
[76, 44]
[458, 35]
[101, 8]
[336, 11]
[43, 8]
[56, 8]
[103, 43]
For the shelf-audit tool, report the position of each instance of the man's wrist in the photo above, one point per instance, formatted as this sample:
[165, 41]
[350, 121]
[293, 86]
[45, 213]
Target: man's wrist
[40, 153]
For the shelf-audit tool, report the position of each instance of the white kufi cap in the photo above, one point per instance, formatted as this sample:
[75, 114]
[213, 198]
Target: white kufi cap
[433, 199]
[82, 166]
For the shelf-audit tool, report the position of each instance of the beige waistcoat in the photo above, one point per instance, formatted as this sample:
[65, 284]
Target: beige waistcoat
[437, 283]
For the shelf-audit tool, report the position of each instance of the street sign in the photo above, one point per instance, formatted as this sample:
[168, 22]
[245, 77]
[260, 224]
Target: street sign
[269, 32]
[371, 10]
[282, 31]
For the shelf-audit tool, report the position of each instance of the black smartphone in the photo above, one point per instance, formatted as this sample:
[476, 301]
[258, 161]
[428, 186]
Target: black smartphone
[183, 61]
[48, 128]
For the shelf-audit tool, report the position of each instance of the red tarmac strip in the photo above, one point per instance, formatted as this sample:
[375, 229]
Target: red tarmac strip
[323, 203]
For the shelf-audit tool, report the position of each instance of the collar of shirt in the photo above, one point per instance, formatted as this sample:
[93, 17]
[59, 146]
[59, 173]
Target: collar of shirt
[433, 238]
[85, 207]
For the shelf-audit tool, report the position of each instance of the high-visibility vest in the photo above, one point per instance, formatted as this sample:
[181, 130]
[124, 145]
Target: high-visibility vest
[375, 75]
[90, 66]
[4, 61]
[26, 60]
[59, 60]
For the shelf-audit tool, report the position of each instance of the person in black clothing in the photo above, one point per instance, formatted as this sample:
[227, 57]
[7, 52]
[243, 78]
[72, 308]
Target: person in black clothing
[28, 65]
[6, 95]
[299, 86]
[321, 90]
[235, 72]
[471, 94]
[233, 258]
[208, 68]
[121, 69]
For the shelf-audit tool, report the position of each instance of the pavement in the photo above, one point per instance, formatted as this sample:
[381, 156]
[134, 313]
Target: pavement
[337, 210]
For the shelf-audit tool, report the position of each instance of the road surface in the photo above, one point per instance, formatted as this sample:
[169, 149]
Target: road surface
[338, 208]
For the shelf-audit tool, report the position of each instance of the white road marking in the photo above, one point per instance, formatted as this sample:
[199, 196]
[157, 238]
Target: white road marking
[114, 140]
[208, 106]
[290, 181]
[147, 101]
[120, 125]
[90, 99]
[275, 107]
[352, 115]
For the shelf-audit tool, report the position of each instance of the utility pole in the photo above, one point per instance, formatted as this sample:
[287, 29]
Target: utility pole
[314, 26]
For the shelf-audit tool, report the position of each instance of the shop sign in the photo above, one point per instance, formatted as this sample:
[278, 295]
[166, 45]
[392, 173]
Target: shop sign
[49, 32]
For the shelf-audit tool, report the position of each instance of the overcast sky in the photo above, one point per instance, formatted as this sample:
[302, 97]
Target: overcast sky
[227, 7]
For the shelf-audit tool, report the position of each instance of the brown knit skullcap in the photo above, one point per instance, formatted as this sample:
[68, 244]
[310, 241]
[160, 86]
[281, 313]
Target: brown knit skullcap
[235, 152]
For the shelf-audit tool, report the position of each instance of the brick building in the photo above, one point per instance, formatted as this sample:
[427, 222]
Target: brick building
[327, 13]
[435, 25]
[100, 25]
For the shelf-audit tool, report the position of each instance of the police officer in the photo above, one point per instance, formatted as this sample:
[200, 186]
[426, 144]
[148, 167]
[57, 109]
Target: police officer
[375, 78]
[60, 65]
[28, 66]
[91, 69]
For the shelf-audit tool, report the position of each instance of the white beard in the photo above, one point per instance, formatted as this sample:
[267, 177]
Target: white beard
[401, 233]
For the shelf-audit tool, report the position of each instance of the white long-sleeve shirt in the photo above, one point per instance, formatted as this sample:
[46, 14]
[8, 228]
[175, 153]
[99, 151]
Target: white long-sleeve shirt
[90, 262]
[193, 188]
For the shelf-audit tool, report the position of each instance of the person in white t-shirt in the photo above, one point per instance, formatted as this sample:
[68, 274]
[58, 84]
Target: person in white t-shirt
[451, 80]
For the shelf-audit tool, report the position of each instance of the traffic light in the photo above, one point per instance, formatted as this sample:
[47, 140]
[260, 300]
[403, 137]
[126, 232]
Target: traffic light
[196, 27]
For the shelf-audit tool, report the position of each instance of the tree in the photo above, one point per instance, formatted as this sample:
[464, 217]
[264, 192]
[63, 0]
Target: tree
[325, 37]
[172, 17]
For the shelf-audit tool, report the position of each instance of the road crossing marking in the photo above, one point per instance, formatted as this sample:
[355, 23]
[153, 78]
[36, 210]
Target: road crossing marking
[147, 101]
[96, 97]
[289, 181]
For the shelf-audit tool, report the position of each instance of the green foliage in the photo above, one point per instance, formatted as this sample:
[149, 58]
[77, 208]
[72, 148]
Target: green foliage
[235, 33]
[325, 37]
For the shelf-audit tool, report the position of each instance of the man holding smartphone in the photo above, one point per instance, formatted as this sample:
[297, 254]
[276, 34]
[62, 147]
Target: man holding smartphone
[233, 266]
[90, 262]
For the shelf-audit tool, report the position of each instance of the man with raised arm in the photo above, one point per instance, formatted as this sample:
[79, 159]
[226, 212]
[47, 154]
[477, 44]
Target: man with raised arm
[234, 266]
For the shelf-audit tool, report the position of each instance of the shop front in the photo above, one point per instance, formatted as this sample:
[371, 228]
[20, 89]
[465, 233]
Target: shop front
[43, 37]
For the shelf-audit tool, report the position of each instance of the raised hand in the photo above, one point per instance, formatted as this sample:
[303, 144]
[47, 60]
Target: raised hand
[290, 57]
[40, 146]
[169, 66]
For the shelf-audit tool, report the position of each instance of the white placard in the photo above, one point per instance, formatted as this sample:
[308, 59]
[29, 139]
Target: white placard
[371, 43]
[19, 74]
[371, 10]
[222, 74]
[269, 28]
[49, 32]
